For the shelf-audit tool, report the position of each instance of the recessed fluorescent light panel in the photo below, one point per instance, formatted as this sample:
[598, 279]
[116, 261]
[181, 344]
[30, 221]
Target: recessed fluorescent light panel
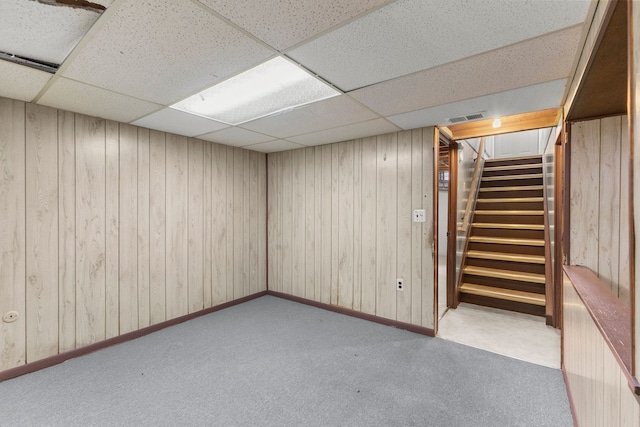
[273, 86]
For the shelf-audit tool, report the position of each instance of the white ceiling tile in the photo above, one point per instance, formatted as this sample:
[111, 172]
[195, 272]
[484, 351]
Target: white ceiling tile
[274, 146]
[345, 133]
[337, 111]
[531, 62]
[163, 51]
[20, 82]
[522, 100]
[82, 98]
[179, 122]
[43, 32]
[283, 24]
[410, 35]
[236, 137]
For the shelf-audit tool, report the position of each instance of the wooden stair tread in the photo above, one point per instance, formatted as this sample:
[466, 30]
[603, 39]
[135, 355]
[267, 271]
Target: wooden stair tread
[512, 200]
[513, 167]
[520, 276]
[514, 188]
[511, 177]
[514, 213]
[507, 241]
[508, 226]
[501, 256]
[504, 294]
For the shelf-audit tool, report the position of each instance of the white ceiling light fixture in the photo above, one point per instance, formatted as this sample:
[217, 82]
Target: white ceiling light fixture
[271, 87]
[497, 123]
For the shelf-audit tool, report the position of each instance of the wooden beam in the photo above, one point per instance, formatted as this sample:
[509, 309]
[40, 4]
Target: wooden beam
[515, 123]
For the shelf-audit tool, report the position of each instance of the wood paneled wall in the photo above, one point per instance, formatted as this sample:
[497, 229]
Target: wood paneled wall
[599, 201]
[599, 389]
[340, 225]
[106, 228]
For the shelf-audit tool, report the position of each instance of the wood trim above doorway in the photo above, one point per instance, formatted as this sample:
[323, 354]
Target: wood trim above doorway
[514, 123]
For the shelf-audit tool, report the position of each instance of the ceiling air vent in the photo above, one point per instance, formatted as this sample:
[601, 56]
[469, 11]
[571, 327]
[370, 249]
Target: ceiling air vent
[467, 117]
[475, 116]
[457, 119]
[38, 65]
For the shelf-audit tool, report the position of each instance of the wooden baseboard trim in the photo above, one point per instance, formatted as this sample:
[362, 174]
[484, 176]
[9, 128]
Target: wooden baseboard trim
[370, 317]
[59, 358]
[571, 405]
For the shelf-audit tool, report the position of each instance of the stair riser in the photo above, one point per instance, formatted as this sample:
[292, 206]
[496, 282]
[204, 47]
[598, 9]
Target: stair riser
[509, 219]
[509, 249]
[509, 206]
[507, 194]
[510, 182]
[497, 232]
[507, 265]
[537, 288]
[508, 172]
[535, 310]
[509, 162]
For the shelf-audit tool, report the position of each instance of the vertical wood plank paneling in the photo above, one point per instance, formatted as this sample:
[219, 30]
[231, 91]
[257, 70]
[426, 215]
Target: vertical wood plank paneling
[345, 153]
[112, 208]
[41, 232]
[369, 229]
[252, 222]
[230, 223]
[262, 222]
[128, 233]
[309, 223]
[219, 224]
[238, 223]
[357, 224]
[326, 230]
[335, 222]
[67, 231]
[287, 220]
[278, 273]
[404, 215]
[273, 225]
[157, 218]
[386, 222]
[177, 303]
[195, 256]
[298, 223]
[208, 224]
[599, 390]
[585, 189]
[318, 215]
[143, 228]
[12, 232]
[90, 246]
[609, 199]
[416, 227]
[91, 230]
[428, 259]
[624, 272]
[246, 227]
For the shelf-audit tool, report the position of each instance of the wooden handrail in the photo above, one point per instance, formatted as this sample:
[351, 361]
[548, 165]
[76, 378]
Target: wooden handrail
[475, 186]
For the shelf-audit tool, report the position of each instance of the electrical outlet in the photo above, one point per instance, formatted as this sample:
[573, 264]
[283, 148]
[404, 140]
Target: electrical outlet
[400, 284]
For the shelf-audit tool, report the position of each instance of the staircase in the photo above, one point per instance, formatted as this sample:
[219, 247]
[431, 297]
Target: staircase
[504, 264]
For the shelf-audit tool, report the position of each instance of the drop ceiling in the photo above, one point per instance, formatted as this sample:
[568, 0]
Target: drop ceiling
[397, 64]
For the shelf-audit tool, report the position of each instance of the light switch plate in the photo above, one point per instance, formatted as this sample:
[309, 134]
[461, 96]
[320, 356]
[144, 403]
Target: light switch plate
[418, 215]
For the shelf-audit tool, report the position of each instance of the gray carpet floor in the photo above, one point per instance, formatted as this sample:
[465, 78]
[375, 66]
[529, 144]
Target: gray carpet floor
[272, 362]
